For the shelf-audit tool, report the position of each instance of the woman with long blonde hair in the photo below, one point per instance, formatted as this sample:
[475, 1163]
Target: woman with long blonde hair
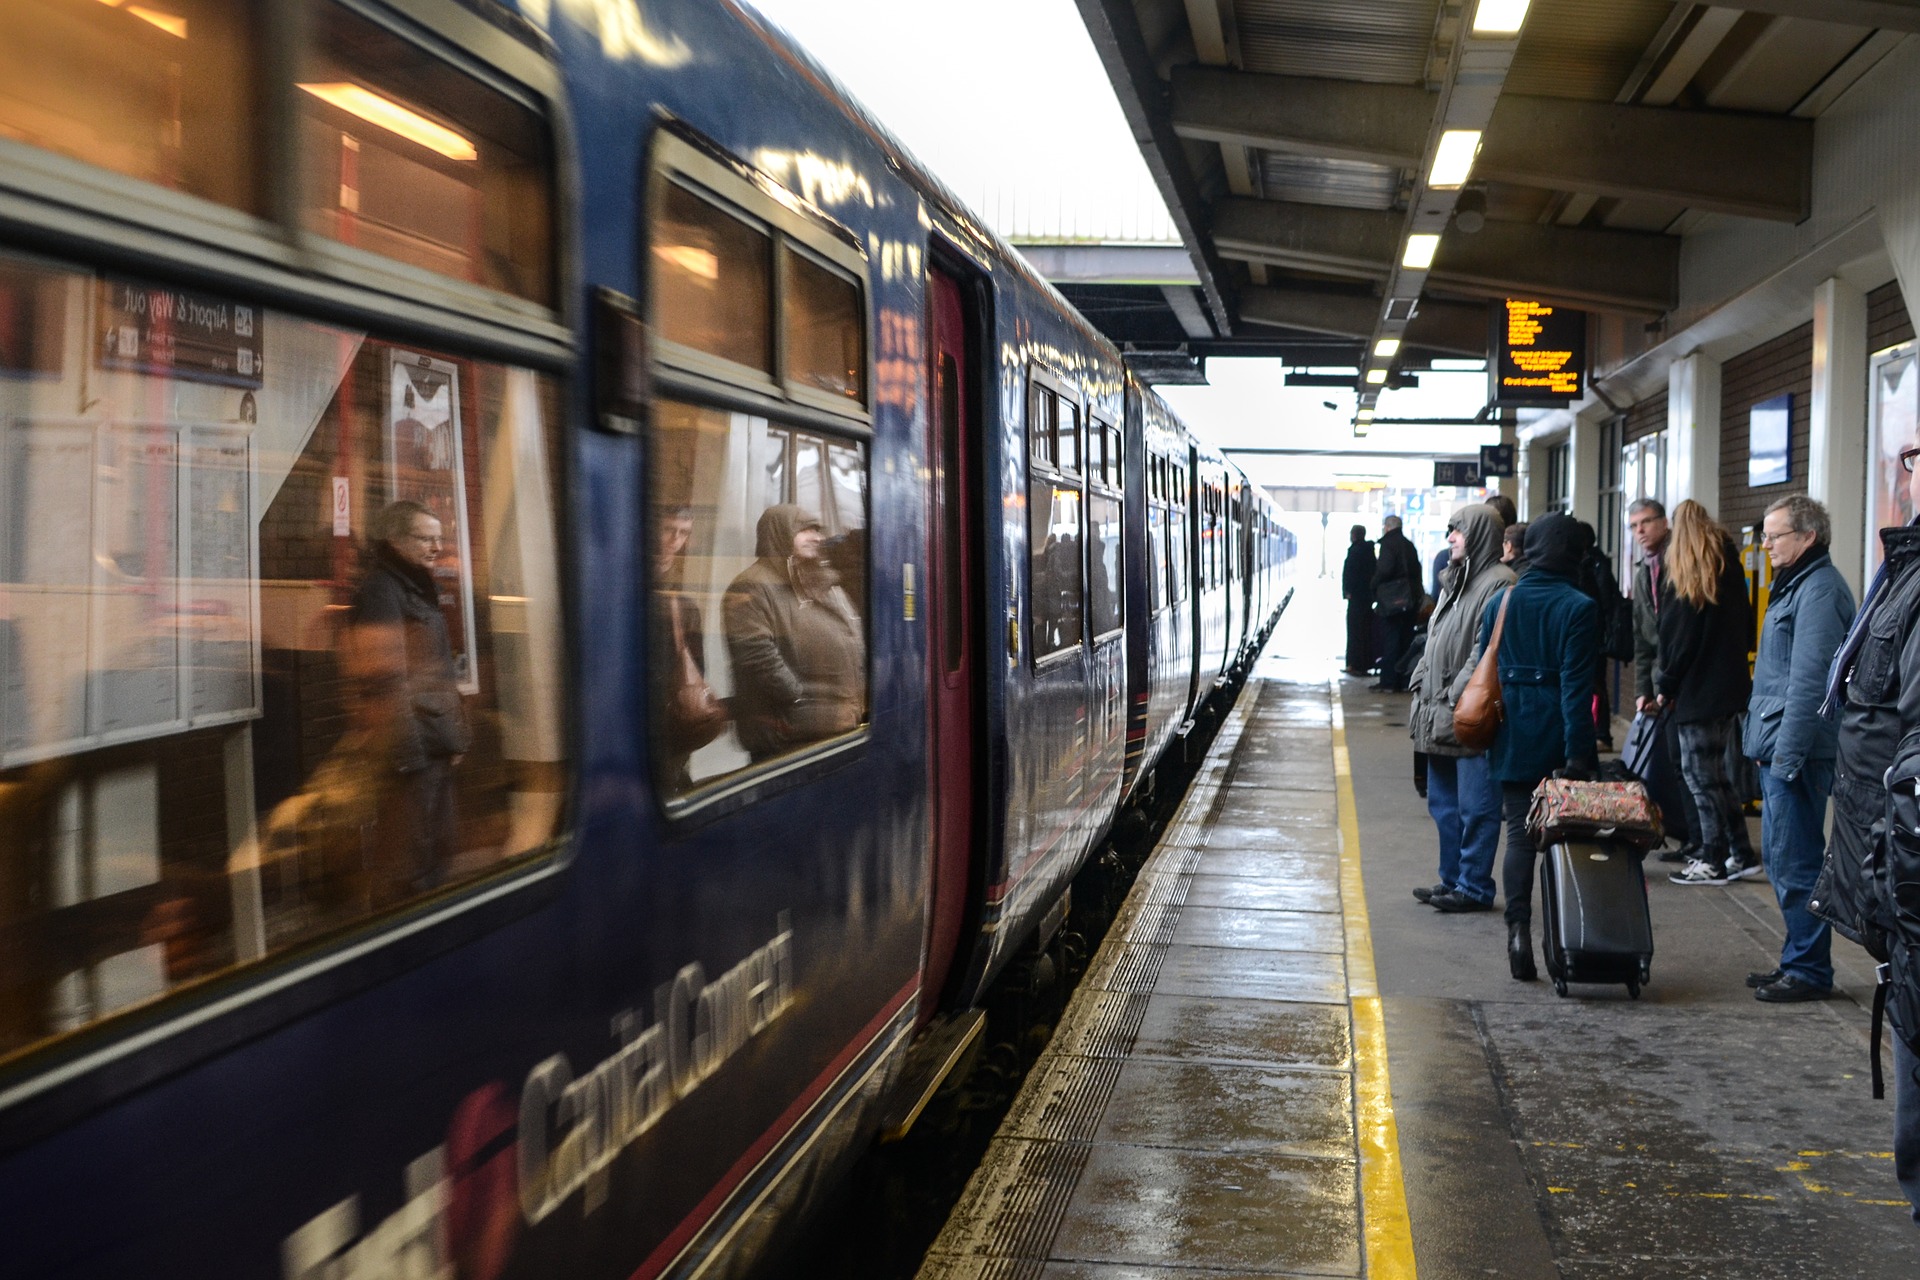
[1701, 677]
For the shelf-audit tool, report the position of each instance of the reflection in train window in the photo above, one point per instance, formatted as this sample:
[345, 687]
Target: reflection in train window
[1103, 563]
[283, 642]
[462, 187]
[165, 93]
[824, 330]
[1054, 520]
[712, 280]
[756, 630]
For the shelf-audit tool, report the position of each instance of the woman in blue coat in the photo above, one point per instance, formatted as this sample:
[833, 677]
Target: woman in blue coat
[1546, 661]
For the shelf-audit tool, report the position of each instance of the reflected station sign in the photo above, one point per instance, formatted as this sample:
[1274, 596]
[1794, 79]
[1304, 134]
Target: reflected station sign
[1539, 354]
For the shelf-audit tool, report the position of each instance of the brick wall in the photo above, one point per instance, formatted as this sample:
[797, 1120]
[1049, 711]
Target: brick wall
[1888, 324]
[1647, 417]
[1782, 366]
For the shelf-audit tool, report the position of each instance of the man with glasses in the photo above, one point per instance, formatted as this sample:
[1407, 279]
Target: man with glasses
[409, 700]
[1808, 609]
[1871, 877]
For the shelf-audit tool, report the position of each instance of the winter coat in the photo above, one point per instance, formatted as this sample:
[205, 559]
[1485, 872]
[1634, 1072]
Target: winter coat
[1398, 561]
[797, 645]
[1356, 575]
[1703, 649]
[1545, 661]
[1878, 705]
[1444, 668]
[399, 594]
[1646, 624]
[1871, 881]
[1807, 615]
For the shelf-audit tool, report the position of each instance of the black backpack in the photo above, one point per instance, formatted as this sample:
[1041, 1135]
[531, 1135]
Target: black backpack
[1616, 611]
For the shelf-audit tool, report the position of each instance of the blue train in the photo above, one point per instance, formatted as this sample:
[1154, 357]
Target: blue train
[567, 610]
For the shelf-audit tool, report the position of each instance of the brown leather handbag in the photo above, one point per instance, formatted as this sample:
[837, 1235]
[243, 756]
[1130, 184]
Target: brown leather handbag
[1478, 714]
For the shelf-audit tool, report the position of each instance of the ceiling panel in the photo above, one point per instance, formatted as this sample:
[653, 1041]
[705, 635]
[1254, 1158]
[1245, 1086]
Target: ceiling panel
[1583, 48]
[1381, 41]
[1784, 65]
[1348, 184]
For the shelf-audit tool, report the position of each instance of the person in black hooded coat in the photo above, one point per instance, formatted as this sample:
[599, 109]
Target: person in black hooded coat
[1356, 586]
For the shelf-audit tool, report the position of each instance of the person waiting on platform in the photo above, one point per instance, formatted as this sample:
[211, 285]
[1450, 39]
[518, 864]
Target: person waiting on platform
[1461, 795]
[1705, 623]
[1870, 881]
[797, 646]
[404, 664]
[1808, 610]
[1397, 597]
[1513, 543]
[1501, 503]
[1356, 586]
[1545, 662]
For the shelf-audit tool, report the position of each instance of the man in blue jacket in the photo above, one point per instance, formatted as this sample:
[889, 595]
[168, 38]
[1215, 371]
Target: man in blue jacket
[1808, 612]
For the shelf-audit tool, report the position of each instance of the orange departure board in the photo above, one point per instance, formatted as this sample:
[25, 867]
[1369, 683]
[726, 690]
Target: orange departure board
[1539, 353]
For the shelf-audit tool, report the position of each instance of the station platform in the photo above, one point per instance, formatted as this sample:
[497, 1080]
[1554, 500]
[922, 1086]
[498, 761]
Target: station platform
[1281, 1064]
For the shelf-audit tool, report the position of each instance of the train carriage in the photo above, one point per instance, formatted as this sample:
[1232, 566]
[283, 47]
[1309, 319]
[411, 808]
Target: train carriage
[801, 566]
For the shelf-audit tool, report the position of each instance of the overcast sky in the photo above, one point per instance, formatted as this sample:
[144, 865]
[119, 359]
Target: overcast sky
[1007, 102]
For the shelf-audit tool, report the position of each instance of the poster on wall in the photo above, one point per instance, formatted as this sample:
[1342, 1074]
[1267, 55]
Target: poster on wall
[1895, 408]
[426, 459]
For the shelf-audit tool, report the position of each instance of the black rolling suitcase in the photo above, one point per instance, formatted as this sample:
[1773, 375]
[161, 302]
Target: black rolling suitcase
[1594, 897]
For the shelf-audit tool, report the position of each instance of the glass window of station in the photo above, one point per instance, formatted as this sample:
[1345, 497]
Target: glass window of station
[281, 637]
[758, 449]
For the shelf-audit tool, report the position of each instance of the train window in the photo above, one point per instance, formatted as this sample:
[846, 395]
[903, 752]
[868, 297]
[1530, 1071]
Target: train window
[1157, 557]
[283, 646]
[1042, 407]
[825, 331]
[757, 629]
[1103, 563]
[1097, 452]
[712, 280]
[1179, 556]
[1066, 435]
[411, 159]
[166, 93]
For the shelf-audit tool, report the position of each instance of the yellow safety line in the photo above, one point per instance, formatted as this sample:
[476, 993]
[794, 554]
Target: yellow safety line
[1387, 1232]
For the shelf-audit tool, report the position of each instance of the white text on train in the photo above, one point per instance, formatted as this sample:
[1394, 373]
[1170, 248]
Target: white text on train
[572, 1130]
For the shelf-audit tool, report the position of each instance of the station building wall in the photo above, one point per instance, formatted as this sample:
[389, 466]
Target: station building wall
[1783, 366]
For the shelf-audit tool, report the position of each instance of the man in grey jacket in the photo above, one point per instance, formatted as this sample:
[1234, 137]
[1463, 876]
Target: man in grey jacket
[1808, 611]
[1461, 794]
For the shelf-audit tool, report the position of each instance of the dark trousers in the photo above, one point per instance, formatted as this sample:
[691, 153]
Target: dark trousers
[1399, 639]
[1516, 869]
[1792, 843]
[1705, 767]
[1359, 635]
[1906, 1121]
[418, 831]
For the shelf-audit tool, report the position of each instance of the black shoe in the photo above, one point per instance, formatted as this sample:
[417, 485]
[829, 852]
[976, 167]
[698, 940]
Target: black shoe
[1425, 894]
[1758, 980]
[1452, 902]
[1790, 990]
[1685, 853]
[1520, 951]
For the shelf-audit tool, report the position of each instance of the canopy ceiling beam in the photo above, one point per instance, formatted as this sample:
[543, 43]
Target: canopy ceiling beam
[1888, 15]
[1457, 327]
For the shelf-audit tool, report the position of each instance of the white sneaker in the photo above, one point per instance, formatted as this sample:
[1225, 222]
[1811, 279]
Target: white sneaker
[1743, 870]
[1701, 871]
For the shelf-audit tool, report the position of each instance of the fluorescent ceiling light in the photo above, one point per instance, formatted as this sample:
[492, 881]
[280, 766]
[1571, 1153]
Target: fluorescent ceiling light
[1376, 376]
[1499, 17]
[1387, 348]
[1420, 249]
[391, 116]
[1453, 159]
[1365, 415]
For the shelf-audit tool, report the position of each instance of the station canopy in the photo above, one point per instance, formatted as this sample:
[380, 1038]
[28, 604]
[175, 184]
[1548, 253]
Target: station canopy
[1354, 177]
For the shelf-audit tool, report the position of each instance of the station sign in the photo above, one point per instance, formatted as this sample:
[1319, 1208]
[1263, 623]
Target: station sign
[1495, 460]
[1539, 354]
[1456, 475]
[178, 333]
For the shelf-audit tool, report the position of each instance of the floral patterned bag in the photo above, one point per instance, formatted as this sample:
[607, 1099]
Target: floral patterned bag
[1619, 811]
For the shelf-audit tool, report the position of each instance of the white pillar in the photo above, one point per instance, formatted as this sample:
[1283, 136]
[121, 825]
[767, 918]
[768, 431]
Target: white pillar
[1837, 438]
[1534, 470]
[1693, 432]
[1583, 467]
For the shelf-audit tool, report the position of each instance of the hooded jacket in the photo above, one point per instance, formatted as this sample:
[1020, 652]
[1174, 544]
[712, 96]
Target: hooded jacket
[1445, 666]
[797, 645]
[1546, 659]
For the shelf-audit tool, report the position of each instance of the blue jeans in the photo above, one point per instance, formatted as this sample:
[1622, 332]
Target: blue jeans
[1792, 844]
[1465, 805]
[1906, 1120]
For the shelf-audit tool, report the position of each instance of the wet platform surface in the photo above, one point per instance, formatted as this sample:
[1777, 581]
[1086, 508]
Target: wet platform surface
[1203, 1109]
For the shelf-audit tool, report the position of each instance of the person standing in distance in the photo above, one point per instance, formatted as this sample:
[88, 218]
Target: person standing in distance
[1397, 594]
[1356, 585]
[1807, 615]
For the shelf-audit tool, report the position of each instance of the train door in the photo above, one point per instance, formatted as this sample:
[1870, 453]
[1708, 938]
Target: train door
[953, 647]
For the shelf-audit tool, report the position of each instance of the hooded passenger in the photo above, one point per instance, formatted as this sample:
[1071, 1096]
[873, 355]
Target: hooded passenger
[799, 655]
